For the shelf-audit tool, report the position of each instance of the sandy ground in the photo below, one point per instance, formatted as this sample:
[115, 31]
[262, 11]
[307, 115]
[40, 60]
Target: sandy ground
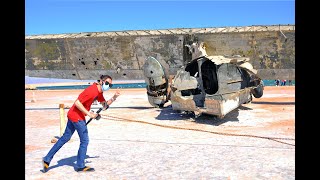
[236, 147]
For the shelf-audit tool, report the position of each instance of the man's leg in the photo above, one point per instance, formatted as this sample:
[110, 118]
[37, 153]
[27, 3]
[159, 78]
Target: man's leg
[62, 140]
[84, 141]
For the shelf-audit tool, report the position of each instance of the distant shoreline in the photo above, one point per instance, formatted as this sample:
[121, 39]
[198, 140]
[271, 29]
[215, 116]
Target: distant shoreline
[36, 81]
[31, 83]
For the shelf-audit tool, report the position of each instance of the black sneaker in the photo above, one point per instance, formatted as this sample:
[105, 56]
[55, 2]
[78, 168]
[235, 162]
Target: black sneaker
[85, 169]
[45, 166]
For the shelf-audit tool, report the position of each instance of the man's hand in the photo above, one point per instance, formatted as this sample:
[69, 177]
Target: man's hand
[116, 94]
[92, 115]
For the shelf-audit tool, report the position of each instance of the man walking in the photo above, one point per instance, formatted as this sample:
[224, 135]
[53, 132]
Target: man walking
[76, 121]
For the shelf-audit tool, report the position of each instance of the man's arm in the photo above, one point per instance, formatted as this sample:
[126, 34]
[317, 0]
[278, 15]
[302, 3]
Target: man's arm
[80, 106]
[105, 104]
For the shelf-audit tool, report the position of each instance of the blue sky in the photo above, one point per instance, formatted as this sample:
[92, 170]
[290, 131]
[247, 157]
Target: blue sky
[75, 16]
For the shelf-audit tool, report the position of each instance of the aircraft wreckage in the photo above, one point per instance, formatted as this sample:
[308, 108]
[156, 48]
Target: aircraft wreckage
[213, 85]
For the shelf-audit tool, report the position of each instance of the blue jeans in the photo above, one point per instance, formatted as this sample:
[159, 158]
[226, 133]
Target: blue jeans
[82, 130]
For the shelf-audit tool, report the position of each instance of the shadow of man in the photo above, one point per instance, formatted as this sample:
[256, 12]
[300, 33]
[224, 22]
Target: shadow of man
[70, 161]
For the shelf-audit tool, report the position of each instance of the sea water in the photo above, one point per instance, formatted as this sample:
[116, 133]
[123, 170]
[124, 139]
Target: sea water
[128, 84]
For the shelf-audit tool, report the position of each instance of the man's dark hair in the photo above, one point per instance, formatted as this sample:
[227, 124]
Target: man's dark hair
[104, 77]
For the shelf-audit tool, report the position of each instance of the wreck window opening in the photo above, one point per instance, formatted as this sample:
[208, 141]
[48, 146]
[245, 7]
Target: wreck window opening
[245, 76]
[192, 68]
[189, 92]
[209, 77]
[230, 78]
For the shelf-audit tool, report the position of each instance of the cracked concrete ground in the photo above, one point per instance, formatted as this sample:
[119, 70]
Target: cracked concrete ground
[121, 149]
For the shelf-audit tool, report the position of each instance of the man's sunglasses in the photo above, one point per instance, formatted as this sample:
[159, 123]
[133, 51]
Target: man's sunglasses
[110, 85]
